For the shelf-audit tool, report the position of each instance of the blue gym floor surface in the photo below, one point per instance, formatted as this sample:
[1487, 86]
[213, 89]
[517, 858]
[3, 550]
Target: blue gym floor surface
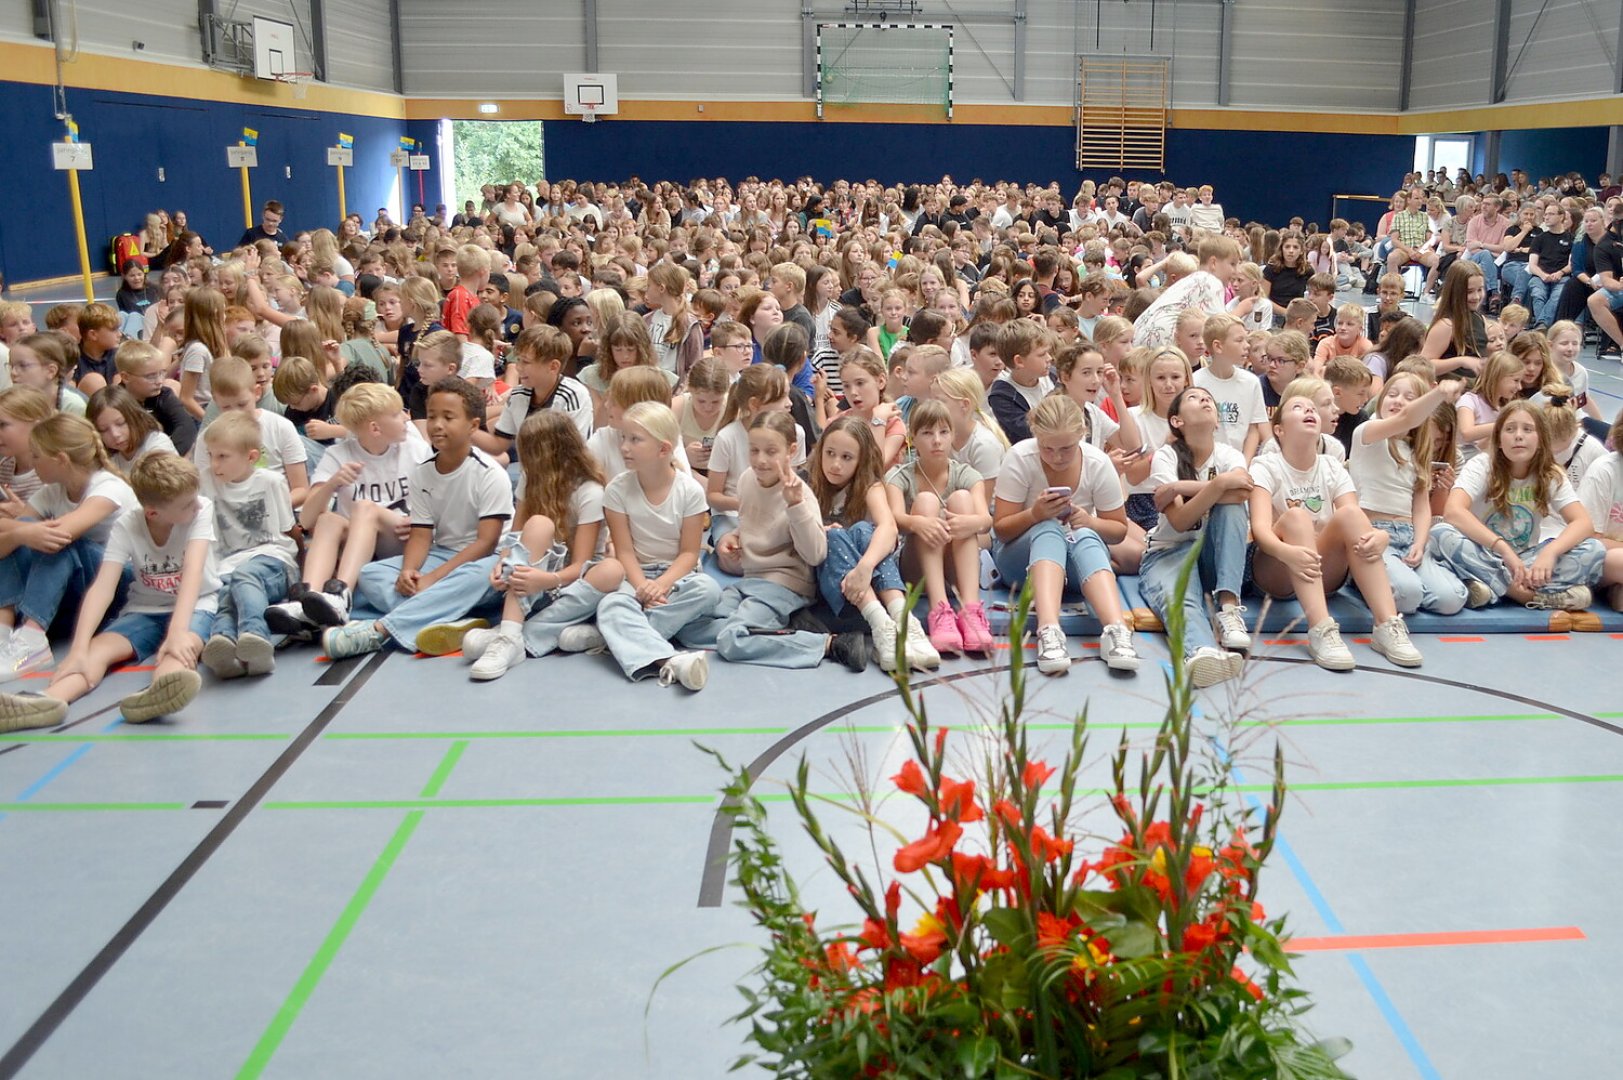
[375, 868]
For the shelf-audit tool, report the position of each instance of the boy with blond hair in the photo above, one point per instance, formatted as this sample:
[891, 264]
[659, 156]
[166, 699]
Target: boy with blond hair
[143, 369]
[472, 271]
[100, 332]
[1242, 419]
[281, 448]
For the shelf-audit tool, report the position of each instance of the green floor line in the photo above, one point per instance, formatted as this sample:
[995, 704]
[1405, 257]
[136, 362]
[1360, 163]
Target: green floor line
[441, 774]
[296, 999]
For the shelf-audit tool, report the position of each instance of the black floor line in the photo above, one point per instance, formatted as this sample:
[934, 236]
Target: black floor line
[713, 880]
[29, 1043]
[337, 671]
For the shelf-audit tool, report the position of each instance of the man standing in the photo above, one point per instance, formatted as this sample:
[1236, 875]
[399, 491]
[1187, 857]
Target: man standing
[269, 227]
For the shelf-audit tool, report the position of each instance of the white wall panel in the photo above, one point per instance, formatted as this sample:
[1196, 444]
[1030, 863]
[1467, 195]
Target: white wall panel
[725, 49]
[1568, 53]
[359, 44]
[1344, 56]
[1453, 54]
[479, 48]
[1185, 30]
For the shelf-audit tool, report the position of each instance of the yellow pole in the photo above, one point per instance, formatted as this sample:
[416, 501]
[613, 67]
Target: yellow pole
[79, 230]
[341, 213]
[247, 197]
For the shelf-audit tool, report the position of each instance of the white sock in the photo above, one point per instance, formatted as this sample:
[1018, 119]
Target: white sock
[874, 614]
[512, 631]
[898, 612]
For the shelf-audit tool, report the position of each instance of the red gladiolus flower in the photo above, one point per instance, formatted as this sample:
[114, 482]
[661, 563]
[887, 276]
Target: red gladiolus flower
[911, 779]
[1046, 847]
[874, 935]
[977, 871]
[926, 941]
[957, 799]
[893, 899]
[940, 740]
[1053, 930]
[840, 956]
[936, 844]
[902, 973]
[1009, 812]
[1252, 988]
[1036, 773]
[1199, 938]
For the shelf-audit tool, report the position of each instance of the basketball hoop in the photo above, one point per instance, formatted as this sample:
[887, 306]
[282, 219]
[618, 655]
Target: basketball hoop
[589, 115]
[298, 80]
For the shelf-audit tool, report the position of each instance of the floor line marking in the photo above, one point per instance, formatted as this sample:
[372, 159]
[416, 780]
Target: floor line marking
[297, 997]
[1353, 942]
[453, 754]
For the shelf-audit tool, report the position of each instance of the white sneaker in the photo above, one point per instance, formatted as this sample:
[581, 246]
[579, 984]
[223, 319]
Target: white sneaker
[500, 656]
[691, 669]
[1208, 666]
[1052, 657]
[1231, 631]
[330, 606]
[475, 642]
[1324, 644]
[1116, 646]
[884, 644]
[1572, 598]
[920, 653]
[25, 653]
[582, 637]
[1391, 640]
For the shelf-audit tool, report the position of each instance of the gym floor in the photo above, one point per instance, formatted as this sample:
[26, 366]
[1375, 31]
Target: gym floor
[375, 868]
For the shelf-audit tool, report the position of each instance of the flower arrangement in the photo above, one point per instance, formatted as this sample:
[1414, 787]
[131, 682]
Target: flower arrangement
[1153, 958]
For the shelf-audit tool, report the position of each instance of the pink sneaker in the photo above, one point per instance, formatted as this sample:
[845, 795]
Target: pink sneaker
[974, 629]
[944, 629]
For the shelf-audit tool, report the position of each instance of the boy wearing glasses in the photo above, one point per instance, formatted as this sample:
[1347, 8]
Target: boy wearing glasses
[142, 369]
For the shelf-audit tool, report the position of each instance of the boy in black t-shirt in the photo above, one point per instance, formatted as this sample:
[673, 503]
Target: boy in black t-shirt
[143, 369]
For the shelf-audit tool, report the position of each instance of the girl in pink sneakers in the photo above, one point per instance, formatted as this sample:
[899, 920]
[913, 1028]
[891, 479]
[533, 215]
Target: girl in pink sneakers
[940, 507]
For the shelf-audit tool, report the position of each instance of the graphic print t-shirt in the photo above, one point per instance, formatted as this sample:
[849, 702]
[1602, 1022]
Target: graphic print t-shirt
[157, 569]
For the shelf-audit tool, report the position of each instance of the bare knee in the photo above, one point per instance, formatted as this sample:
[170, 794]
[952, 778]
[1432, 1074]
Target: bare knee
[1295, 525]
[1352, 520]
[927, 504]
[606, 576]
[539, 532]
[959, 502]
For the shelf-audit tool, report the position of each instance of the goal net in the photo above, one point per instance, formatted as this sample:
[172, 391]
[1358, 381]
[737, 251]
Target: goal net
[884, 63]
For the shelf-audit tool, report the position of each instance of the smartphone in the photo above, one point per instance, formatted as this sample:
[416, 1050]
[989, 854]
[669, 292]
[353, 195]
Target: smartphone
[1440, 465]
[1057, 492]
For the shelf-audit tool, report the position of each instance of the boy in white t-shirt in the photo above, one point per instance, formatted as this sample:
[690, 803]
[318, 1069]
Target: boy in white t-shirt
[253, 520]
[356, 510]
[1242, 417]
[169, 610]
[459, 506]
[282, 447]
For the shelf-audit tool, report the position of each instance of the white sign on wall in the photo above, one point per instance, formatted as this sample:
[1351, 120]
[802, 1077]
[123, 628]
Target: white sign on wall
[74, 156]
[340, 155]
[242, 157]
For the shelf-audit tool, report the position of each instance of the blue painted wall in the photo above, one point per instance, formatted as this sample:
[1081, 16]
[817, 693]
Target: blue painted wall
[1549, 151]
[134, 135]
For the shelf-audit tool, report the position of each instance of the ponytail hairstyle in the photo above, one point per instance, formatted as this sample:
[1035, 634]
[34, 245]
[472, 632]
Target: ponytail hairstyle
[52, 348]
[140, 423]
[709, 375]
[759, 383]
[421, 299]
[869, 471]
[1545, 473]
[1180, 448]
[360, 318]
[485, 325]
[674, 281]
[554, 461]
[1111, 329]
[785, 347]
[1421, 440]
[962, 384]
[75, 437]
[1559, 412]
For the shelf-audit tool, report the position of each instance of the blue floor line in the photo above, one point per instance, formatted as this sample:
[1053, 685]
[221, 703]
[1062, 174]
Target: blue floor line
[1388, 1009]
[59, 768]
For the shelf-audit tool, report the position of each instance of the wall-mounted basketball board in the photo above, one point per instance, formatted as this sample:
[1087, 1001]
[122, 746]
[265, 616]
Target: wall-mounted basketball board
[273, 49]
[589, 96]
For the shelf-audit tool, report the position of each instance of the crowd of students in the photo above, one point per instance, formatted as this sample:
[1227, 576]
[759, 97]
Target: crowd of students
[661, 421]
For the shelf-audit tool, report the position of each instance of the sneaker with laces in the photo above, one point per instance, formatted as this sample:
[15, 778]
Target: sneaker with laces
[1116, 646]
[1572, 598]
[582, 637]
[288, 617]
[330, 606]
[884, 644]
[1052, 657]
[690, 669]
[257, 654]
[1231, 631]
[1477, 595]
[1324, 644]
[168, 693]
[945, 637]
[920, 653]
[499, 656]
[26, 652]
[19, 711]
[444, 639]
[853, 649]
[475, 642]
[1208, 666]
[1391, 640]
[352, 639]
[974, 629]
[220, 657]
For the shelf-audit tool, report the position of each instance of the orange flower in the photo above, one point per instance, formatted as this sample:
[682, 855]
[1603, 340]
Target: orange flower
[1035, 774]
[1046, 847]
[926, 941]
[1009, 812]
[1199, 938]
[936, 844]
[874, 935]
[958, 800]
[1252, 988]
[840, 956]
[911, 779]
[1053, 930]
[979, 872]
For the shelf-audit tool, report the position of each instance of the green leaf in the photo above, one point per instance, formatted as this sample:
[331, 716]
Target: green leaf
[1003, 980]
[1133, 940]
[1006, 926]
[976, 1056]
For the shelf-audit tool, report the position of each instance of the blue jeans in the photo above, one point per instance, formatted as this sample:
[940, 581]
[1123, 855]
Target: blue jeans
[1490, 269]
[1473, 562]
[37, 584]
[462, 590]
[1544, 299]
[846, 547]
[758, 604]
[1431, 586]
[245, 594]
[1081, 554]
[640, 638]
[1517, 276]
[145, 630]
[1221, 569]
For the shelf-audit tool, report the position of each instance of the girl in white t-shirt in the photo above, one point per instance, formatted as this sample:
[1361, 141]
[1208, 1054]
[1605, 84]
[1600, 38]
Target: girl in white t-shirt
[1201, 486]
[1059, 502]
[127, 430]
[759, 388]
[1393, 457]
[1602, 495]
[1499, 383]
[1165, 374]
[49, 562]
[1514, 526]
[1566, 342]
[204, 342]
[1085, 378]
[1310, 533]
[1575, 449]
[977, 439]
[552, 554]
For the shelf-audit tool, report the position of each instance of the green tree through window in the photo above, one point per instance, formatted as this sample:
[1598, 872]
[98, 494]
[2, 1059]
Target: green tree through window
[496, 152]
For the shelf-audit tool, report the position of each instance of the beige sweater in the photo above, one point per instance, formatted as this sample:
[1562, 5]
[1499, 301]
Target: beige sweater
[780, 543]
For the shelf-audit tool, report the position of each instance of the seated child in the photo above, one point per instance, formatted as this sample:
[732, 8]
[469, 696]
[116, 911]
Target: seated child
[1027, 351]
[142, 369]
[232, 382]
[126, 429]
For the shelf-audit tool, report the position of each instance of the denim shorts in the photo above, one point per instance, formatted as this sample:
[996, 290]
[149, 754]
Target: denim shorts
[1614, 298]
[145, 630]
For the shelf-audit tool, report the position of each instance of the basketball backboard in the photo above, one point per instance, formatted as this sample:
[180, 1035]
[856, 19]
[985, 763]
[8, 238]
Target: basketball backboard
[273, 49]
